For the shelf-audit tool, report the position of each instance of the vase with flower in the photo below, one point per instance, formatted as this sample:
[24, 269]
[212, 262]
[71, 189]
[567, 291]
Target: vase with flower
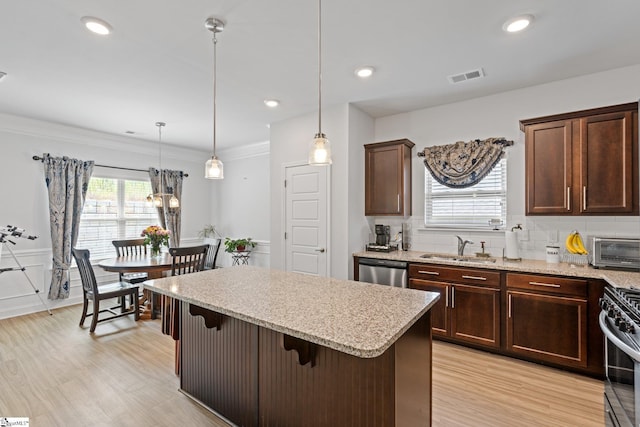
[155, 236]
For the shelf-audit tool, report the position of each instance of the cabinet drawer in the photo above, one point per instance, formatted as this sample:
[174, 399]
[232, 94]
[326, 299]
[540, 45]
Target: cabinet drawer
[470, 276]
[548, 284]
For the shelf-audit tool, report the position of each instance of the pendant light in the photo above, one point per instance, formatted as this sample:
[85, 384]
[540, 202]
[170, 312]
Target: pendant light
[320, 149]
[214, 168]
[158, 198]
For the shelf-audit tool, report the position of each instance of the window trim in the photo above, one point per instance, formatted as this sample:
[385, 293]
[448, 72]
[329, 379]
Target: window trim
[120, 220]
[468, 226]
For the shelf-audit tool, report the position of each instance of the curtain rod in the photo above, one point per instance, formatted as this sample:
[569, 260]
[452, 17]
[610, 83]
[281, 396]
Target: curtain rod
[111, 167]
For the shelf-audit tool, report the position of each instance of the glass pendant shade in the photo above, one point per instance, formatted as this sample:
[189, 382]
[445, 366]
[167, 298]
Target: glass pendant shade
[320, 150]
[214, 169]
[157, 201]
[173, 202]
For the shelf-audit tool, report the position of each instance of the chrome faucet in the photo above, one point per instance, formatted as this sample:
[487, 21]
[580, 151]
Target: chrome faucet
[462, 244]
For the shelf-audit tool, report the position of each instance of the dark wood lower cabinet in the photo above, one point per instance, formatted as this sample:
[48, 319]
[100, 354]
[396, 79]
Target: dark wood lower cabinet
[475, 315]
[546, 319]
[254, 376]
[547, 327]
[467, 313]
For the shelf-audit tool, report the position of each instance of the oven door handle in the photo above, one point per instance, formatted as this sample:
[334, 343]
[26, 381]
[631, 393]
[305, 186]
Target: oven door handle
[634, 354]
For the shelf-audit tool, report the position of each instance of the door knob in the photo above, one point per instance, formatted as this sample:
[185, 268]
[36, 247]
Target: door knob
[321, 250]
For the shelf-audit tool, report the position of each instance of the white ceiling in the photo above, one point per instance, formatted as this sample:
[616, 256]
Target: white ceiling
[157, 65]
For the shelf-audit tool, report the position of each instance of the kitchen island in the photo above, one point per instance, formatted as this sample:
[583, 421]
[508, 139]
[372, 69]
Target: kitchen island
[267, 347]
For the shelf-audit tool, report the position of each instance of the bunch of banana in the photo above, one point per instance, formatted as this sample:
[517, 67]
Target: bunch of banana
[574, 243]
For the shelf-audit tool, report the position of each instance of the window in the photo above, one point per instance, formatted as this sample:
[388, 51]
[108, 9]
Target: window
[469, 207]
[114, 209]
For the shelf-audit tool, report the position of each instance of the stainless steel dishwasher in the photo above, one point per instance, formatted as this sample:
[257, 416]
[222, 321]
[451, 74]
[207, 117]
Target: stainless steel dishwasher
[383, 272]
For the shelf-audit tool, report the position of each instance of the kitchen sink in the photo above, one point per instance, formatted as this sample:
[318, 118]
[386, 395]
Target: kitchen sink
[461, 258]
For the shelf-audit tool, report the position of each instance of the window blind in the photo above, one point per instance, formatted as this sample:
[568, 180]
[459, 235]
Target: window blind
[467, 207]
[114, 209]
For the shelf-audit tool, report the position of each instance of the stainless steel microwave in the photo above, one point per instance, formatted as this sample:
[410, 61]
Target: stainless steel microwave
[613, 252]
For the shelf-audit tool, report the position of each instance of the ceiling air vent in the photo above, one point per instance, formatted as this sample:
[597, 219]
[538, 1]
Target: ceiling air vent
[469, 75]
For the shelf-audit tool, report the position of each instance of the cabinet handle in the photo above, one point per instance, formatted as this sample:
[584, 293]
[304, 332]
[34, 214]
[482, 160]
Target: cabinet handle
[584, 198]
[453, 297]
[398, 202]
[446, 296]
[548, 285]
[509, 306]
[432, 273]
[474, 277]
[568, 198]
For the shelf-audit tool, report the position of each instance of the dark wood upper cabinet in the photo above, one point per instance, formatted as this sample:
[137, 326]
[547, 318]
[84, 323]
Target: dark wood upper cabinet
[387, 174]
[583, 163]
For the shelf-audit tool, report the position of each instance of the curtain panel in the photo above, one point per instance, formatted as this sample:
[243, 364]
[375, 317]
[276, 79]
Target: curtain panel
[67, 181]
[170, 218]
[463, 164]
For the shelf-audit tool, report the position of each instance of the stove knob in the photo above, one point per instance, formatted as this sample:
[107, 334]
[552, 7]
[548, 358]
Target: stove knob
[603, 304]
[618, 319]
[622, 325]
[631, 329]
[610, 312]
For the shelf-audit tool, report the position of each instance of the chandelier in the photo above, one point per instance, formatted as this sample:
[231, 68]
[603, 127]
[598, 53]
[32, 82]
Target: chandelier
[158, 198]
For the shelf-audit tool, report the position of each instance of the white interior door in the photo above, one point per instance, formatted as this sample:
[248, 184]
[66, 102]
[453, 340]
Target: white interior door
[307, 219]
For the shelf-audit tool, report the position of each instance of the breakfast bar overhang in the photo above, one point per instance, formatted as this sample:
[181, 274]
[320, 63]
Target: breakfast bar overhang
[263, 347]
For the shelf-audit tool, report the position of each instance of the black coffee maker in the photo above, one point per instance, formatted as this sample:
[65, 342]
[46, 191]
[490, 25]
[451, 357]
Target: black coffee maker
[383, 235]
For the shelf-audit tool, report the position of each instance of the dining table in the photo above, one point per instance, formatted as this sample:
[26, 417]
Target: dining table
[154, 266]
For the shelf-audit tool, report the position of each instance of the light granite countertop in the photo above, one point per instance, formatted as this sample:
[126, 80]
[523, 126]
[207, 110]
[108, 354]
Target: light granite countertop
[617, 278]
[356, 318]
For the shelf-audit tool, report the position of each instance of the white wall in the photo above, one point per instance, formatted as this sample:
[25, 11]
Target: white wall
[290, 141]
[499, 115]
[243, 201]
[361, 127]
[25, 200]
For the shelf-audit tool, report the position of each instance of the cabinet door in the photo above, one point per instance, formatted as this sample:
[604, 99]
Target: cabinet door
[388, 178]
[606, 171]
[475, 315]
[440, 310]
[548, 168]
[547, 327]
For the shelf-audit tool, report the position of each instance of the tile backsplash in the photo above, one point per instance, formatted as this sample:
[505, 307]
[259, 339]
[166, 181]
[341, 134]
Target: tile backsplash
[537, 233]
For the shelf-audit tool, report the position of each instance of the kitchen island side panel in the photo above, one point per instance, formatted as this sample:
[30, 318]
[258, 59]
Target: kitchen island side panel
[393, 389]
[219, 366]
[245, 373]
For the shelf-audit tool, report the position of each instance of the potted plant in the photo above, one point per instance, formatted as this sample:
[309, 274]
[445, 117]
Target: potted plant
[208, 231]
[238, 245]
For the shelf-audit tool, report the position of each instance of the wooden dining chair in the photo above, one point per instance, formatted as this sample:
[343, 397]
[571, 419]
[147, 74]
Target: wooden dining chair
[185, 260]
[188, 259]
[129, 247]
[91, 291]
[212, 255]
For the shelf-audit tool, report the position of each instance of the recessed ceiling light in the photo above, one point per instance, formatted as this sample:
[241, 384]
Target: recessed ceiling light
[364, 72]
[518, 23]
[2, 75]
[271, 103]
[96, 25]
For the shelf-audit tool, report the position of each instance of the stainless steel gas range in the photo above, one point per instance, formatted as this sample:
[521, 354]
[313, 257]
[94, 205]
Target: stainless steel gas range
[620, 323]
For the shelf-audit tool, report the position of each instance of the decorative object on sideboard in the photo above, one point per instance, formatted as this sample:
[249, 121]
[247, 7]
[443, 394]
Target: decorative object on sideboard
[214, 169]
[320, 150]
[463, 164]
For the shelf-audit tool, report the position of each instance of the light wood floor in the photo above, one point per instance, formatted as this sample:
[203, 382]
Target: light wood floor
[57, 374]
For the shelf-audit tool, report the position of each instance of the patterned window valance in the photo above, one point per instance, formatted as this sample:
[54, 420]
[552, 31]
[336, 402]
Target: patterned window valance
[463, 164]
